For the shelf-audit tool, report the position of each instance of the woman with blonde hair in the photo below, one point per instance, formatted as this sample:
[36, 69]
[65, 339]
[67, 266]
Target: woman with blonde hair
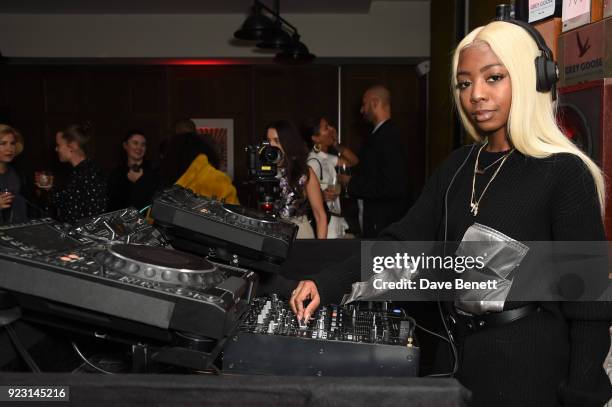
[12, 203]
[523, 180]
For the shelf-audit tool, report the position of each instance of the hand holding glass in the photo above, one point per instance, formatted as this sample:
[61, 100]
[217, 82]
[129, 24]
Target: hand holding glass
[43, 179]
[6, 198]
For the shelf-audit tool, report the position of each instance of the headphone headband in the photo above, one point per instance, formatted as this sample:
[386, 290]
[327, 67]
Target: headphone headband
[535, 34]
[547, 72]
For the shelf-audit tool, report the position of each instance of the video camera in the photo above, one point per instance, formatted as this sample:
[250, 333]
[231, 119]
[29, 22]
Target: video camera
[262, 163]
[262, 160]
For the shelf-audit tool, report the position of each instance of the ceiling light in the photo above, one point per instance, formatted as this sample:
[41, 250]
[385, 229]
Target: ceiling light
[255, 26]
[273, 34]
[295, 53]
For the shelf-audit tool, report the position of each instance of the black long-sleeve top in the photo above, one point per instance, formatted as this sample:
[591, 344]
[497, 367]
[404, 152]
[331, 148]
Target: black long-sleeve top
[84, 195]
[531, 199]
[11, 181]
[123, 193]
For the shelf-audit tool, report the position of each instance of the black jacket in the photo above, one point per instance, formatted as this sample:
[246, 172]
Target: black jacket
[381, 179]
[124, 193]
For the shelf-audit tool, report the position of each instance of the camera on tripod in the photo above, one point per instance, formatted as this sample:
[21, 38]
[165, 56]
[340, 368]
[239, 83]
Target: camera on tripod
[262, 160]
[262, 164]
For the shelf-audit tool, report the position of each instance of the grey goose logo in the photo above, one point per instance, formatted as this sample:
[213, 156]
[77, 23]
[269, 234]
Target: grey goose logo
[582, 47]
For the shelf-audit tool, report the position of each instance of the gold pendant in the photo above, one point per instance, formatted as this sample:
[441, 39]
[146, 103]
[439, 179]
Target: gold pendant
[474, 209]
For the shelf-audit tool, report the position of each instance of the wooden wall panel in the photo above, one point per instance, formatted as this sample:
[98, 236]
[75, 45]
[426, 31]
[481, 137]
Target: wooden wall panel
[219, 92]
[407, 106]
[40, 100]
[293, 93]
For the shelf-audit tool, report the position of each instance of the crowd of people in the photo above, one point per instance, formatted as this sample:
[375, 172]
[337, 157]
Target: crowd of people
[522, 179]
[88, 191]
[313, 176]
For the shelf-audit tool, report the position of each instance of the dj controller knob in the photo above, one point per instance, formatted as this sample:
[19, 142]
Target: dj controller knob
[133, 268]
[183, 278]
[208, 279]
[218, 278]
[166, 275]
[118, 264]
[149, 272]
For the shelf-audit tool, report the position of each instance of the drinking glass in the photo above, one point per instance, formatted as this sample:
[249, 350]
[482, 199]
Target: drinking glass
[43, 179]
[344, 170]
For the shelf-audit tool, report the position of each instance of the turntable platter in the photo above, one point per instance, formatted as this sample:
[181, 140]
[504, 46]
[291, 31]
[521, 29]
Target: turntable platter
[159, 264]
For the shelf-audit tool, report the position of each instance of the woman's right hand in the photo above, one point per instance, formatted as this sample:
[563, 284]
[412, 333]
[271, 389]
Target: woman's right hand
[6, 200]
[306, 289]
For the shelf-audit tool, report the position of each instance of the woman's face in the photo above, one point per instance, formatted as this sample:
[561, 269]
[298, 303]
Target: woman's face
[327, 134]
[135, 147]
[272, 137]
[8, 145]
[485, 89]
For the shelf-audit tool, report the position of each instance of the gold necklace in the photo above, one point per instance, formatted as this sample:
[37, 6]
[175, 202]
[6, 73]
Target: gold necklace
[485, 169]
[474, 205]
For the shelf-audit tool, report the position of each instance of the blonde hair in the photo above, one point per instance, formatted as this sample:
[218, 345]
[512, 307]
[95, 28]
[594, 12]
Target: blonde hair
[532, 125]
[6, 130]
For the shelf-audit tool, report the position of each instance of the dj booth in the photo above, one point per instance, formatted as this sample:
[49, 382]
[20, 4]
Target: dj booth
[196, 300]
[173, 390]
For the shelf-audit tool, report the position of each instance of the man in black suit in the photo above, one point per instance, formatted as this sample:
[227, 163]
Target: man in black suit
[381, 179]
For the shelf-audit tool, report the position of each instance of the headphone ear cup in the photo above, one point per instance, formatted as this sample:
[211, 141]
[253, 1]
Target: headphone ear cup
[547, 73]
[552, 72]
[542, 83]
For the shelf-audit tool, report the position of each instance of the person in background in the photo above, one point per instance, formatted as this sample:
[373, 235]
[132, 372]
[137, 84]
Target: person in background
[13, 208]
[380, 180]
[133, 182]
[186, 128]
[298, 183]
[325, 155]
[85, 193]
[186, 164]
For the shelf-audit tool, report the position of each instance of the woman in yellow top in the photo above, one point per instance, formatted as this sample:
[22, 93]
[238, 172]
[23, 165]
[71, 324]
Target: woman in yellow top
[187, 164]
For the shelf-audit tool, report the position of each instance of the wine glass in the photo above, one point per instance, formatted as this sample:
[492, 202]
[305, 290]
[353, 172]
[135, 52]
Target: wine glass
[344, 170]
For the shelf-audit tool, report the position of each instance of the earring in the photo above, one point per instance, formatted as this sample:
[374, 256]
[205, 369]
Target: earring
[317, 147]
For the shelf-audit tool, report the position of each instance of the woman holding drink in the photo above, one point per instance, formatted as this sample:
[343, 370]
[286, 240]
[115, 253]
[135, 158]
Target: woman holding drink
[325, 155]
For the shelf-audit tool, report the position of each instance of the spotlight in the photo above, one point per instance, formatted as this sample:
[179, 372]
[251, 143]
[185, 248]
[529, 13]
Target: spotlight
[295, 53]
[255, 26]
[276, 38]
[272, 34]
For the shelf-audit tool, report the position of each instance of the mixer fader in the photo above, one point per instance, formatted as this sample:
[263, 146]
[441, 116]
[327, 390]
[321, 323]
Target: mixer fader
[336, 341]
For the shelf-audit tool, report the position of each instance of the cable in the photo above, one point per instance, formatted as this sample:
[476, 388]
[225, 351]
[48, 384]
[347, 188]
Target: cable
[78, 368]
[450, 341]
[446, 329]
[145, 208]
[432, 333]
[87, 361]
[448, 190]
[21, 350]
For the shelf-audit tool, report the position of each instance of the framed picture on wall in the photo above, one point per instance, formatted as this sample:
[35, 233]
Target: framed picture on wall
[221, 131]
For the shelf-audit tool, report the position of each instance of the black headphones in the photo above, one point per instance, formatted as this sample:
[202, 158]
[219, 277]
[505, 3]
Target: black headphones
[547, 72]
